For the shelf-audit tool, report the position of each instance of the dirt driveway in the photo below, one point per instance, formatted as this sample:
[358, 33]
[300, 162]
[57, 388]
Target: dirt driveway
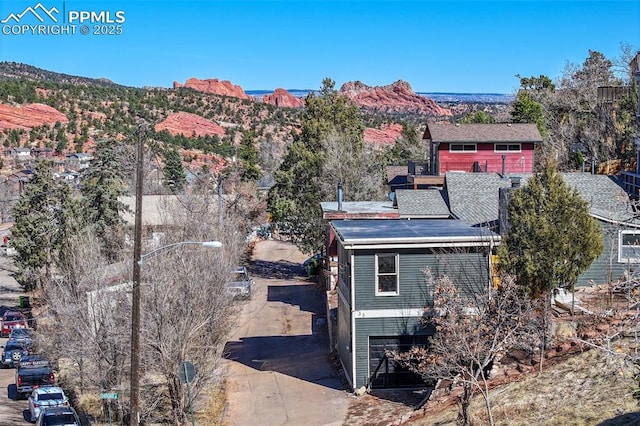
[279, 370]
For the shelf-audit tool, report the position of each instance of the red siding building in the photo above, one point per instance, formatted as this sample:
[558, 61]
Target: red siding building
[499, 148]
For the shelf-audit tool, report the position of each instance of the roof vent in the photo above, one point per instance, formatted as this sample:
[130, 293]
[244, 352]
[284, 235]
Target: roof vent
[457, 124]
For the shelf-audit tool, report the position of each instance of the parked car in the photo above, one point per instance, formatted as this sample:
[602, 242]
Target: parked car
[11, 320]
[33, 372]
[13, 352]
[240, 284]
[21, 335]
[58, 416]
[46, 397]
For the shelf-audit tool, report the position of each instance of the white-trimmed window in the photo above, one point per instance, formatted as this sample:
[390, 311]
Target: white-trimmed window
[387, 274]
[507, 147]
[629, 246]
[463, 147]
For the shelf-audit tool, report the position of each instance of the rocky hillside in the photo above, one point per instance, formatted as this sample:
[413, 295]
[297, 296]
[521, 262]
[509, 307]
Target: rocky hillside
[40, 108]
[29, 116]
[215, 87]
[395, 97]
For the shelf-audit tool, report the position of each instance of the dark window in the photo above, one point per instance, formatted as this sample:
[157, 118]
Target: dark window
[463, 147]
[387, 274]
[507, 147]
[60, 420]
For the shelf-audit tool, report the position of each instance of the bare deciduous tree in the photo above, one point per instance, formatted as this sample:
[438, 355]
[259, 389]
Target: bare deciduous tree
[186, 312]
[355, 166]
[472, 332]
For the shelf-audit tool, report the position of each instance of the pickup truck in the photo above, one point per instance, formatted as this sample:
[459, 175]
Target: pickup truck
[33, 371]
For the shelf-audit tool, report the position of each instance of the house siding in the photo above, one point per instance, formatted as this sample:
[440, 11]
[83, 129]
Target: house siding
[375, 327]
[469, 270]
[606, 267]
[515, 162]
[343, 345]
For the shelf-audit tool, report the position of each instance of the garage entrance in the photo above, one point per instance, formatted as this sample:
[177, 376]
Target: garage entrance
[385, 372]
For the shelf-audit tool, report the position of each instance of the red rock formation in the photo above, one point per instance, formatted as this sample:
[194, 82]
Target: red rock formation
[396, 97]
[188, 124]
[215, 86]
[282, 98]
[386, 135]
[29, 116]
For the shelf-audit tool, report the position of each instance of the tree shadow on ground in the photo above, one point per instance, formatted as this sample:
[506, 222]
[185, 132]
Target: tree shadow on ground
[282, 269]
[622, 420]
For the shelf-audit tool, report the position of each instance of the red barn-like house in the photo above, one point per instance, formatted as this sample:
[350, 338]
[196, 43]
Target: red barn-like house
[499, 148]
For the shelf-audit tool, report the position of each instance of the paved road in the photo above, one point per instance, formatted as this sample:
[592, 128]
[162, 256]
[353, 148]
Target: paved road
[279, 372]
[12, 412]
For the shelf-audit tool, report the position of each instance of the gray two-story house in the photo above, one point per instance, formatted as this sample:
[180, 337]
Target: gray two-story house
[383, 290]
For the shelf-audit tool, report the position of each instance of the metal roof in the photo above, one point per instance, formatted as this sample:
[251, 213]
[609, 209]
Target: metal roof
[405, 232]
[358, 209]
[506, 132]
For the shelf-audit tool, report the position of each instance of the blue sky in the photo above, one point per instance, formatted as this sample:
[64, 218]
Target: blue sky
[436, 46]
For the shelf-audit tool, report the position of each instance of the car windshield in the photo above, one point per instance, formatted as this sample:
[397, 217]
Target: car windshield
[13, 318]
[60, 420]
[12, 346]
[49, 396]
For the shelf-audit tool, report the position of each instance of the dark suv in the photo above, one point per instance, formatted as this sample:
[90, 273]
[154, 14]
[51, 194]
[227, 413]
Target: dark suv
[13, 352]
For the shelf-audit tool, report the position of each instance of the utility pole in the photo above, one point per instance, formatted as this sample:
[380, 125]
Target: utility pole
[134, 397]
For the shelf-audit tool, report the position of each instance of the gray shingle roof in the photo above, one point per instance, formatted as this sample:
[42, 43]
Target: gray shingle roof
[473, 197]
[421, 203]
[511, 132]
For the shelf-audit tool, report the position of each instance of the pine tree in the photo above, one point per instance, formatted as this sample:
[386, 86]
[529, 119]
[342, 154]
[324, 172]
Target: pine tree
[102, 185]
[44, 218]
[174, 175]
[248, 154]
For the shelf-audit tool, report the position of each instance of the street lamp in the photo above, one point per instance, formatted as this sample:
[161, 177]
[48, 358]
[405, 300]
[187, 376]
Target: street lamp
[209, 244]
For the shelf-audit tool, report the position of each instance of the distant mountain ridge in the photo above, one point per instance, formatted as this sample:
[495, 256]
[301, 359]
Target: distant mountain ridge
[450, 97]
[13, 70]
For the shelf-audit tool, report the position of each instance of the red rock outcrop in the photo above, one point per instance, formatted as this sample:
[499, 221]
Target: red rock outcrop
[396, 97]
[29, 116]
[386, 135]
[189, 125]
[215, 86]
[282, 98]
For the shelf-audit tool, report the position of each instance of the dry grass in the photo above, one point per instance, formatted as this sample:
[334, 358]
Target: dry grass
[215, 405]
[586, 389]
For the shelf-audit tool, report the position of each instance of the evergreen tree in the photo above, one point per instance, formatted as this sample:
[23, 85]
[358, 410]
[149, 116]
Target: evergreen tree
[248, 154]
[479, 117]
[294, 202]
[552, 238]
[44, 218]
[102, 185]
[174, 175]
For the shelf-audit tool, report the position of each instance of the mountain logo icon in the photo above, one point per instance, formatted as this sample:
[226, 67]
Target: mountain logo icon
[38, 11]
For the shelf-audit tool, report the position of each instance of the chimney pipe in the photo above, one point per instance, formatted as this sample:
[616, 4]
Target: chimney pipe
[504, 158]
[593, 166]
[339, 195]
